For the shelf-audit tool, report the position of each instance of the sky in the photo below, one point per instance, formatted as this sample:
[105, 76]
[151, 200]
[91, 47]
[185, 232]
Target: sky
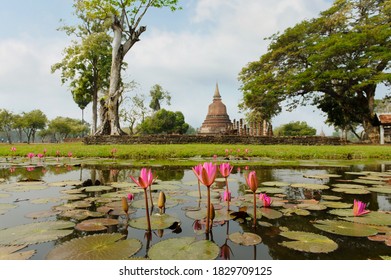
[186, 52]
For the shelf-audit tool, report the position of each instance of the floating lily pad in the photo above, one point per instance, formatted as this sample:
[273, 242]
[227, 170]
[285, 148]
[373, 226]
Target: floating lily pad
[184, 248]
[157, 222]
[349, 186]
[310, 186]
[5, 207]
[96, 224]
[271, 190]
[4, 195]
[165, 187]
[96, 247]
[336, 204]
[204, 194]
[73, 196]
[35, 232]
[380, 189]
[372, 218]
[265, 212]
[331, 197]
[275, 184]
[75, 183]
[312, 207]
[308, 242]
[41, 214]
[97, 188]
[297, 211]
[45, 200]
[26, 187]
[245, 238]
[368, 182]
[351, 191]
[11, 253]
[345, 228]
[80, 214]
[321, 176]
[141, 203]
[342, 212]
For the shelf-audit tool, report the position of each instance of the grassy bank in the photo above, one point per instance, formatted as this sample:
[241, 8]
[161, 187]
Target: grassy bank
[161, 152]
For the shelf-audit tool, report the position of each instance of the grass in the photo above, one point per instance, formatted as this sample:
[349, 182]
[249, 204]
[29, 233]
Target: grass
[188, 151]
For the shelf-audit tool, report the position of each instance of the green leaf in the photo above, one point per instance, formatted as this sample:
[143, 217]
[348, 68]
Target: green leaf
[96, 247]
[308, 242]
[184, 248]
[245, 238]
[157, 222]
[310, 186]
[372, 218]
[11, 253]
[35, 232]
[345, 228]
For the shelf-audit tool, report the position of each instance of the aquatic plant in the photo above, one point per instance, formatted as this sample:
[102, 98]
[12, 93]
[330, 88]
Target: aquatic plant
[197, 171]
[359, 208]
[266, 200]
[252, 182]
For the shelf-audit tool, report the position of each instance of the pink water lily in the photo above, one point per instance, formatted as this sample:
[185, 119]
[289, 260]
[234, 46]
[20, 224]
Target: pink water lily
[130, 196]
[208, 173]
[198, 171]
[13, 149]
[207, 176]
[266, 200]
[30, 155]
[227, 196]
[359, 208]
[145, 179]
[225, 169]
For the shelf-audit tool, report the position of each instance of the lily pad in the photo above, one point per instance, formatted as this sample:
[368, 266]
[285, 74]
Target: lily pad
[5, 207]
[310, 186]
[271, 190]
[26, 187]
[245, 238]
[342, 212]
[184, 248]
[308, 242]
[35, 232]
[331, 197]
[336, 204]
[157, 222]
[4, 195]
[80, 214]
[297, 211]
[11, 253]
[96, 224]
[45, 200]
[96, 247]
[372, 218]
[275, 184]
[141, 203]
[269, 213]
[97, 188]
[349, 186]
[381, 189]
[368, 182]
[351, 191]
[41, 214]
[345, 228]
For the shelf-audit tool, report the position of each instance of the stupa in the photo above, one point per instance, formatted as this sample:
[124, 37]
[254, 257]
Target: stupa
[217, 120]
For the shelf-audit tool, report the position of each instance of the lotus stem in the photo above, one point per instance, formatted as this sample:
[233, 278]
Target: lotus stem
[199, 189]
[208, 212]
[226, 184]
[146, 210]
[255, 210]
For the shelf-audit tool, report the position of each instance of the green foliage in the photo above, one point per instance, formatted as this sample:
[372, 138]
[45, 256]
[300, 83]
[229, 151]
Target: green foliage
[164, 121]
[334, 61]
[6, 123]
[63, 127]
[31, 122]
[295, 129]
[158, 95]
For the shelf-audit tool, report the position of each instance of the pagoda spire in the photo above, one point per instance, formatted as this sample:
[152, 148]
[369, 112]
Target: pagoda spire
[217, 93]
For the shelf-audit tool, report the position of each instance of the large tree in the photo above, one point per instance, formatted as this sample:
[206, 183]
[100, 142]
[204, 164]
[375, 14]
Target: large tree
[87, 62]
[166, 122]
[334, 62]
[33, 121]
[6, 123]
[126, 16]
[158, 94]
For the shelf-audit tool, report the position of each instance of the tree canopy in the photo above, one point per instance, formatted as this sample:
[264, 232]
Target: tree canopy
[334, 62]
[164, 121]
[297, 128]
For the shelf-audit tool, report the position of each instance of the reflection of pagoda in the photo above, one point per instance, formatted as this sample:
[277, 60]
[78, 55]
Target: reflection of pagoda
[217, 119]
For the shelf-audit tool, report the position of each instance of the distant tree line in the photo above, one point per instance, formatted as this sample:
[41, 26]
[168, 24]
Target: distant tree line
[25, 127]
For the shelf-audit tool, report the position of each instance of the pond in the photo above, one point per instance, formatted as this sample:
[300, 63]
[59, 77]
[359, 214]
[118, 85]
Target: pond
[45, 207]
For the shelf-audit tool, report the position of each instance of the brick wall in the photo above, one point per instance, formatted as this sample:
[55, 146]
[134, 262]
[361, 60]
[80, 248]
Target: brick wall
[223, 139]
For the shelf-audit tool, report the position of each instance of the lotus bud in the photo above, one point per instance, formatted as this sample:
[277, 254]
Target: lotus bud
[125, 205]
[160, 233]
[161, 201]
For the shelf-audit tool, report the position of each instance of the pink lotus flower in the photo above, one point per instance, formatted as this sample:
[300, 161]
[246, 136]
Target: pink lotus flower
[207, 175]
[70, 154]
[197, 170]
[130, 196]
[266, 200]
[225, 169]
[40, 156]
[13, 149]
[30, 155]
[359, 208]
[145, 179]
[252, 181]
[227, 196]
[30, 168]
[44, 151]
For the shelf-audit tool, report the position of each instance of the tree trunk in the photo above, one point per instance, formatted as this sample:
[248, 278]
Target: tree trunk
[372, 132]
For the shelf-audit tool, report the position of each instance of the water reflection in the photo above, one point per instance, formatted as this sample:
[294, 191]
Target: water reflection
[349, 247]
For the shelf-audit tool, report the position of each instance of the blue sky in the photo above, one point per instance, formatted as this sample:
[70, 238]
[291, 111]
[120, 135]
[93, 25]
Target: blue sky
[186, 52]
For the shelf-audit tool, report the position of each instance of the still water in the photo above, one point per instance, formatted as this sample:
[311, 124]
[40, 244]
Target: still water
[30, 200]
